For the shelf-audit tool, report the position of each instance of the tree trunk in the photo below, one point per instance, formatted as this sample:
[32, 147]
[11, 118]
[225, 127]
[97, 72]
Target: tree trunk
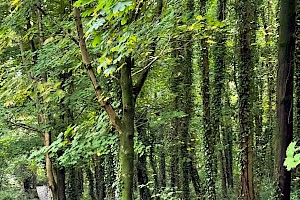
[142, 175]
[246, 11]
[99, 178]
[187, 107]
[127, 131]
[209, 137]
[297, 70]
[60, 182]
[125, 127]
[285, 95]
[49, 168]
[175, 124]
[162, 161]
[268, 135]
[91, 179]
[72, 185]
[110, 178]
[227, 142]
[219, 70]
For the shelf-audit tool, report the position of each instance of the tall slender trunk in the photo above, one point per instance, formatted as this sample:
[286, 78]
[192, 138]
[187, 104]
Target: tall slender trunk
[91, 181]
[246, 11]
[285, 95]
[125, 126]
[267, 139]
[219, 70]
[175, 124]
[153, 165]
[162, 161]
[21, 46]
[99, 178]
[297, 69]
[127, 131]
[209, 137]
[60, 182]
[49, 168]
[43, 120]
[110, 176]
[187, 106]
[227, 141]
[142, 175]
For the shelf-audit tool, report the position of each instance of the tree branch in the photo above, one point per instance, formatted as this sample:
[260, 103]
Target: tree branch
[67, 33]
[25, 126]
[103, 101]
[145, 71]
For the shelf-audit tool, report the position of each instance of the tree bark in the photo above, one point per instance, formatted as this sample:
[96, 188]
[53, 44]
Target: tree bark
[209, 137]
[297, 69]
[285, 95]
[246, 10]
[219, 70]
[60, 180]
[162, 161]
[49, 168]
[99, 178]
[91, 179]
[87, 63]
[142, 175]
[127, 131]
[125, 126]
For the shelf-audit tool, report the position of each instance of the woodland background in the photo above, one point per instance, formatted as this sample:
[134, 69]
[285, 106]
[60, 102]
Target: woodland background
[150, 99]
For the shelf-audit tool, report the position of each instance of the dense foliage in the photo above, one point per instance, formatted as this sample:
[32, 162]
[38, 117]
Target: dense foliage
[150, 99]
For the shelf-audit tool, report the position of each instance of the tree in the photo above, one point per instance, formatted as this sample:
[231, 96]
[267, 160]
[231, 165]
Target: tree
[284, 95]
[247, 22]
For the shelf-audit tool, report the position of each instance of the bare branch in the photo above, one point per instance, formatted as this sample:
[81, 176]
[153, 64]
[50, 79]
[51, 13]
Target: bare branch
[25, 126]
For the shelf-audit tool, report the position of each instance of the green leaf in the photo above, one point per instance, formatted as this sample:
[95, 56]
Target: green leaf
[292, 159]
[96, 25]
[96, 41]
[124, 20]
[109, 70]
[120, 6]
[82, 2]
[116, 48]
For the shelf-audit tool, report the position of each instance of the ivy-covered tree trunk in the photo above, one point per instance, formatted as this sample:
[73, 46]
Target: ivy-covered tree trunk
[110, 175]
[246, 10]
[162, 161]
[285, 95]
[91, 181]
[99, 178]
[267, 139]
[175, 124]
[218, 84]
[227, 141]
[153, 163]
[187, 106]
[209, 137]
[142, 174]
